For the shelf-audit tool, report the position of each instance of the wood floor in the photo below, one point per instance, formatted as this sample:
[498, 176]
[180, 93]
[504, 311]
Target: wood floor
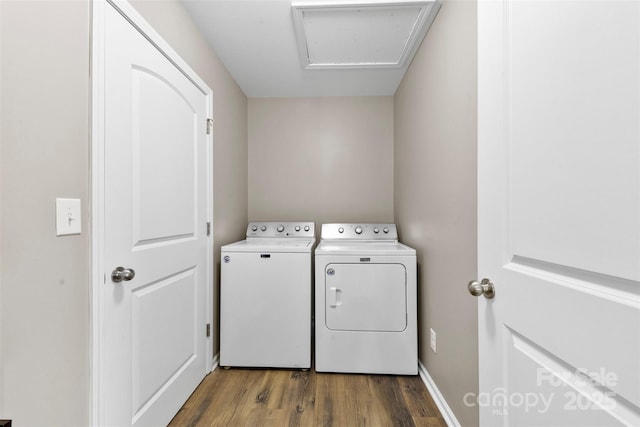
[256, 397]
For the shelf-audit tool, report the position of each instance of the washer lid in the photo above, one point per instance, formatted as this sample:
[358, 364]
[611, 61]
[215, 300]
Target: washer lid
[271, 245]
[332, 247]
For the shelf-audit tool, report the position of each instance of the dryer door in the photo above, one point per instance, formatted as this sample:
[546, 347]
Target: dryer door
[366, 297]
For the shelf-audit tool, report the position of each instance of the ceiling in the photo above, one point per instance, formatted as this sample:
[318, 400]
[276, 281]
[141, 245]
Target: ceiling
[256, 40]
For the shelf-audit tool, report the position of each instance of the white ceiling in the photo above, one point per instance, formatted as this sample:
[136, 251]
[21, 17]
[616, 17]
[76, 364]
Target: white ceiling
[256, 41]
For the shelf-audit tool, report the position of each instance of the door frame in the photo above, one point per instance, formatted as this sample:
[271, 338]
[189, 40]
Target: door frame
[97, 173]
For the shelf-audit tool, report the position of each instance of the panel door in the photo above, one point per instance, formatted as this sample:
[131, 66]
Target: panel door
[559, 213]
[366, 297]
[155, 225]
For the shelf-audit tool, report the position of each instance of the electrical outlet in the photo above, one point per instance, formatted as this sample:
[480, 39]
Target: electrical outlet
[433, 340]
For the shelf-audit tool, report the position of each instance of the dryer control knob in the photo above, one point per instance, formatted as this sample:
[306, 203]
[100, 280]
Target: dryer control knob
[280, 228]
[263, 228]
[306, 228]
[297, 228]
[254, 228]
[358, 230]
[340, 230]
[386, 229]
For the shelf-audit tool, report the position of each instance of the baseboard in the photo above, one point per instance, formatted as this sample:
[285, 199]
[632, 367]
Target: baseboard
[439, 400]
[216, 362]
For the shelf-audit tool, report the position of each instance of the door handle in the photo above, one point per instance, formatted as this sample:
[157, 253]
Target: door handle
[121, 273]
[485, 287]
[335, 297]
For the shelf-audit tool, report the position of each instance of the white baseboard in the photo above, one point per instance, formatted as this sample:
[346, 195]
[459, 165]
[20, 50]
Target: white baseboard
[216, 362]
[439, 400]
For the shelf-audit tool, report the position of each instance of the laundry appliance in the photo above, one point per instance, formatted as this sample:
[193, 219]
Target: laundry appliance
[265, 297]
[365, 301]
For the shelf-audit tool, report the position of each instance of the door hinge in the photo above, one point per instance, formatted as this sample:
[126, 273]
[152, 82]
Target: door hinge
[208, 229]
[210, 123]
[208, 329]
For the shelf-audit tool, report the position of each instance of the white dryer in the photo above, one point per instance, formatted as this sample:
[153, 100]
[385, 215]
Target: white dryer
[365, 301]
[265, 297]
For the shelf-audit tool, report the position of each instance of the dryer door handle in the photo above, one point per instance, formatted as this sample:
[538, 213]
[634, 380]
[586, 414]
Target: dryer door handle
[334, 297]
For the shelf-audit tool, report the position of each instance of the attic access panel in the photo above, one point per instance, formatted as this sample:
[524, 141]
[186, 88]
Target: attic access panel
[364, 34]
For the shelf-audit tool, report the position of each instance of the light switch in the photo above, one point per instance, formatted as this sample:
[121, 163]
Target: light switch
[68, 217]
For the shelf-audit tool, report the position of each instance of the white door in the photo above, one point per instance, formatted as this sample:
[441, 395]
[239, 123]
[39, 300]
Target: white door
[559, 213]
[154, 316]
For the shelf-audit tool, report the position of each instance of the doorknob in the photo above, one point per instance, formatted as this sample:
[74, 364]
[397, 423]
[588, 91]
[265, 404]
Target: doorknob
[485, 287]
[121, 273]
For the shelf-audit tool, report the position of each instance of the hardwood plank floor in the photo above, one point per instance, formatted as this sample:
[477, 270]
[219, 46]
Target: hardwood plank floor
[271, 397]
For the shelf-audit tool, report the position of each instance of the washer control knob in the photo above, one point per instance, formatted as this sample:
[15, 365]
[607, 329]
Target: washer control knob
[280, 228]
[376, 230]
[386, 229]
[306, 228]
[358, 230]
[254, 228]
[297, 228]
[341, 230]
[263, 228]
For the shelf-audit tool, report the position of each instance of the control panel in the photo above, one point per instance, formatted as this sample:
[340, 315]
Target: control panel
[281, 229]
[359, 232]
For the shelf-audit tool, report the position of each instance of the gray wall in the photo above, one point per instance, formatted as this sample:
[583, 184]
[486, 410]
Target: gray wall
[435, 196]
[44, 281]
[321, 159]
[44, 154]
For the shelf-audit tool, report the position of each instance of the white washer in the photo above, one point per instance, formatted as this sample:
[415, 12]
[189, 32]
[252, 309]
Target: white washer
[366, 301]
[265, 297]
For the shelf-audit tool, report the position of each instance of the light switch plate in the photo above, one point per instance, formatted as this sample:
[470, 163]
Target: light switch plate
[68, 217]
